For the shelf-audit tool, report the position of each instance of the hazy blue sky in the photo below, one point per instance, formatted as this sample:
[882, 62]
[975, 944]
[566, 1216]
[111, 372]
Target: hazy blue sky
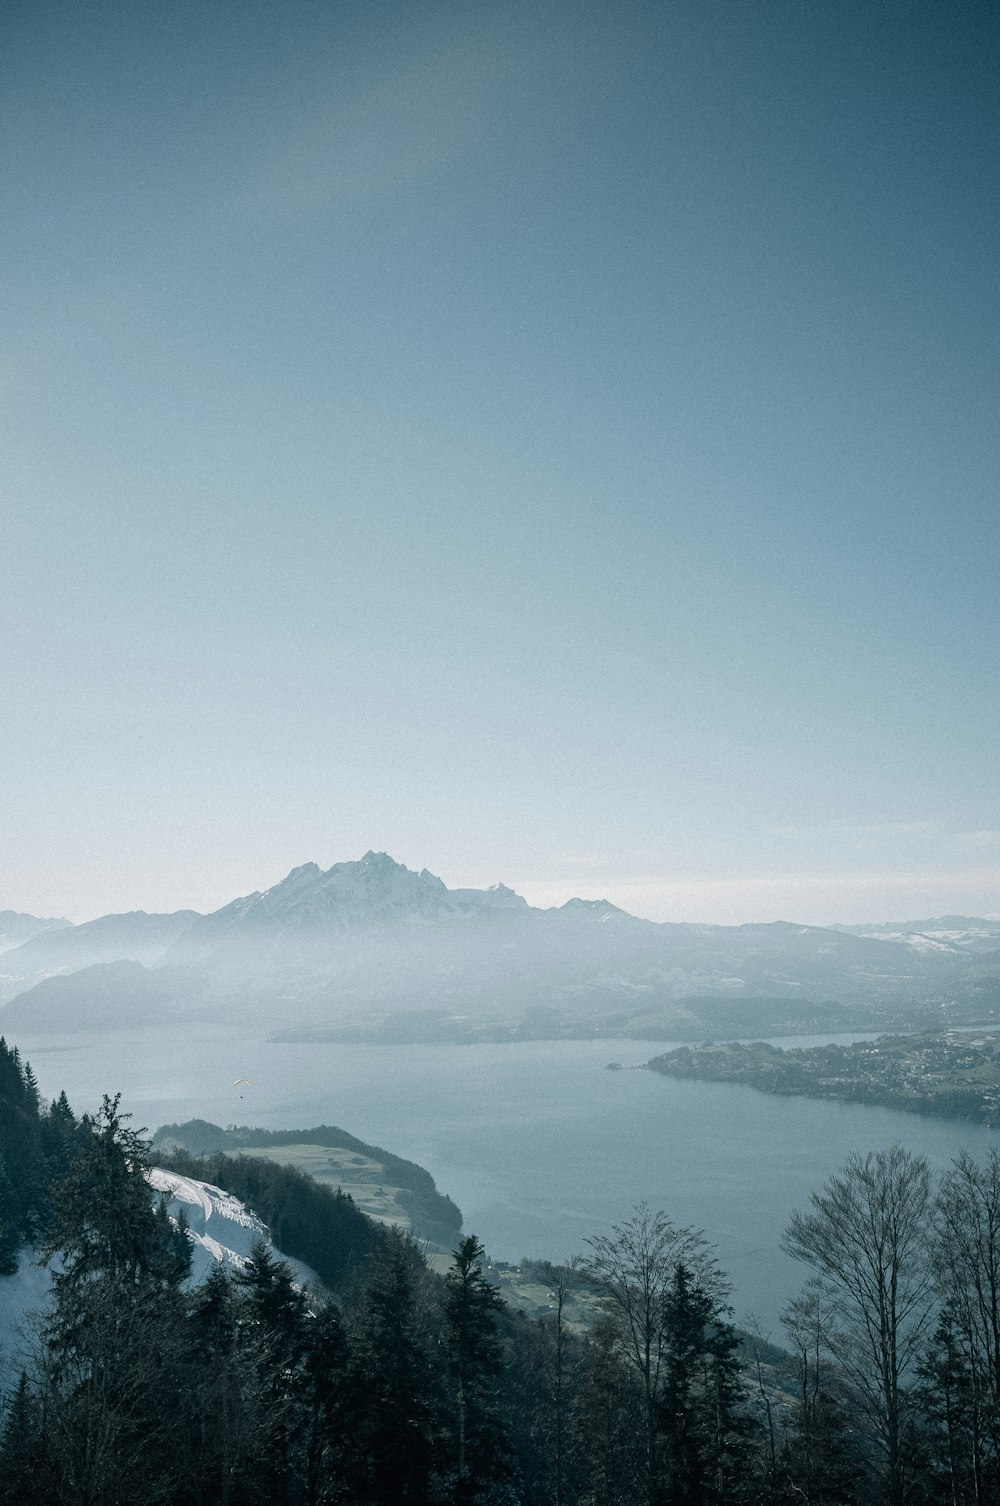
[551, 442]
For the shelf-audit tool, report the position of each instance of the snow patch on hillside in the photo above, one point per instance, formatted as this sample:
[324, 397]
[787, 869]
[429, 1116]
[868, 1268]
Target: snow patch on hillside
[222, 1231]
[21, 1295]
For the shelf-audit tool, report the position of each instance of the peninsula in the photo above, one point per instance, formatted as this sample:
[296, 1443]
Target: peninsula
[955, 1074]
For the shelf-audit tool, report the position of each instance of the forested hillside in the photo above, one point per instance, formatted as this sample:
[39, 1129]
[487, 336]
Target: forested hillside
[351, 1165]
[389, 1384]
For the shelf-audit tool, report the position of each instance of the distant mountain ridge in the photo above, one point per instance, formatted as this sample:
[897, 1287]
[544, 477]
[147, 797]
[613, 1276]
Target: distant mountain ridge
[64, 948]
[16, 927]
[957, 933]
[370, 946]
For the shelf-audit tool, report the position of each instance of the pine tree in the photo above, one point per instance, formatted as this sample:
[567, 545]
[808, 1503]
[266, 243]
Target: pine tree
[703, 1426]
[475, 1358]
[32, 1096]
[104, 1221]
[21, 1181]
[331, 1415]
[953, 1414]
[225, 1415]
[275, 1311]
[10, 1223]
[608, 1443]
[109, 1377]
[395, 1380]
[25, 1476]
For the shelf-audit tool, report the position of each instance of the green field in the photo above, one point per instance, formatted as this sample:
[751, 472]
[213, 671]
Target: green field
[363, 1177]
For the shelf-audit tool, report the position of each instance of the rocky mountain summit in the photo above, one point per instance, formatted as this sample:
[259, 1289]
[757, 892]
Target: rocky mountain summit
[309, 904]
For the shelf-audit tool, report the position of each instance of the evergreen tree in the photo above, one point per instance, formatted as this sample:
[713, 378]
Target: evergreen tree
[224, 1415]
[272, 1300]
[395, 1381]
[481, 1449]
[109, 1384]
[31, 1094]
[10, 1223]
[21, 1179]
[109, 1376]
[104, 1221]
[331, 1411]
[276, 1312]
[702, 1456]
[25, 1476]
[608, 1445]
[61, 1137]
[952, 1417]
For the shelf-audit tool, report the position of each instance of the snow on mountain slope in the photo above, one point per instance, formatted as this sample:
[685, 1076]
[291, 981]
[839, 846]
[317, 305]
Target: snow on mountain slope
[222, 1231]
[369, 894]
[943, 933]
[21, 1295]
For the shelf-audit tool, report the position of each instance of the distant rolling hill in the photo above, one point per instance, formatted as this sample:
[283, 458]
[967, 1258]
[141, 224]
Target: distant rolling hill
[65, 948]
[107, 996]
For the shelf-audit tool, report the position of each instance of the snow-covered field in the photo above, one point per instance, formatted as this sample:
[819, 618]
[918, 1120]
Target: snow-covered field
[221, 1229]
[222, 1232]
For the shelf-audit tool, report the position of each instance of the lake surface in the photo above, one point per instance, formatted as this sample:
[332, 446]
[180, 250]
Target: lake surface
[538, 1143]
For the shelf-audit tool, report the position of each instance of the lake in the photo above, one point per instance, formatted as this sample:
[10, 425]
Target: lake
[538, 1143]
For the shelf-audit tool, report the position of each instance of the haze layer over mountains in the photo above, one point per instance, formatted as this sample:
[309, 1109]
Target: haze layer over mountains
[373, 950]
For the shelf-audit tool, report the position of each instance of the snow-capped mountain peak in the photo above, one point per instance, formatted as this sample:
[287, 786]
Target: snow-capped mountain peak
[298, 878]
[371, 892]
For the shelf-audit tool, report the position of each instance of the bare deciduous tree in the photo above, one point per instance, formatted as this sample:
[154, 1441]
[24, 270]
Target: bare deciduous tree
[633, 1271]
[868, 1236]
[967, 1264]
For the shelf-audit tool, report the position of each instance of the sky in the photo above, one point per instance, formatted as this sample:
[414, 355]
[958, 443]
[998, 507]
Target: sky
[551, 442]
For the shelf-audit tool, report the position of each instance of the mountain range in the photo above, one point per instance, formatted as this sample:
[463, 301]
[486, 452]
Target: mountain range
[370, 949]
[16, 928]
